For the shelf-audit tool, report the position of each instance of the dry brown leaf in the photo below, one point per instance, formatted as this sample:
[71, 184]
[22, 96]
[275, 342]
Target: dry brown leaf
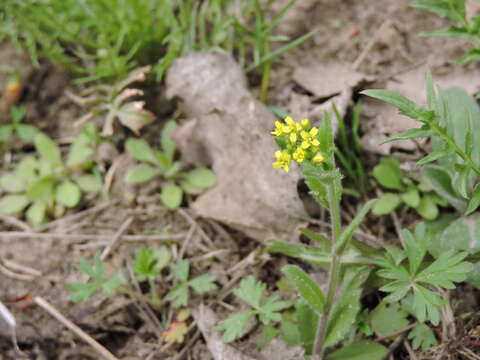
[231, 132]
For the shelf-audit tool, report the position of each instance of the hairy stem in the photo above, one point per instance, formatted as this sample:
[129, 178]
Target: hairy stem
[335, 268]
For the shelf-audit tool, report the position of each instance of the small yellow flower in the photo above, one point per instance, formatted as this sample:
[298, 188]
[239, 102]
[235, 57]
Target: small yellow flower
[305, 144]
[283, 160]
[304, 135]
[305, 123]
[298, 127]
[318, 159]
[289, 121]
[299, 155]
[313, 132]
[315, 142]
[293, 137]
[278, 129]
[286, 129]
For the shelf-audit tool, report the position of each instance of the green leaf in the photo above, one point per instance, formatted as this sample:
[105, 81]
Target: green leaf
[359, 350]
[386, 204]
[346, 235]
[313, 178]
[168, 145]
[306, 287]
[79, 292]
[427, 208]
[307, 325]
[411, 197]
[141, 174]
[474, 201]
[190, 188]
[88, 183]
[133, 116]
[171, 196]
[234, 327]
[416, 133]
[178, 295]
[12, 204]
[250, 291]
[36, 213]
[145, 264]
[67, 194]
[201, 177]
[41, 190]
[388, 174]
[441, 182]
[203, 283]
[141, 151]
[405, 106]
[180, 270]
[11, 183]
[453, 10]
[173, 170]
[320, 239]
[434, 156]
[94, 270]
[27, 169]
[386, 319]
[345, 310]
[80, 151]
[26, 133]
[48, 150]
[111, 285]
[422, 337]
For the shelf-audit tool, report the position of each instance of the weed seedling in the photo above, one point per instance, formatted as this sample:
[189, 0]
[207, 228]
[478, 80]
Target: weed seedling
[162, 163]
[15, 128]
[46, 184]
[417, 196]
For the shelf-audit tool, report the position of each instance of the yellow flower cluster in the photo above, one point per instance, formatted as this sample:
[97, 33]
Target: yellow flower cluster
[301, 143]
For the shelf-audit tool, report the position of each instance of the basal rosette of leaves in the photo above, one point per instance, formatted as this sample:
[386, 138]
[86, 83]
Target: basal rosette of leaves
[44, 186]
[161, 164]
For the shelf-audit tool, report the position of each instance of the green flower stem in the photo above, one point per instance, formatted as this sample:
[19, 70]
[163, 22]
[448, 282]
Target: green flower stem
[151, 301]
[335, 268]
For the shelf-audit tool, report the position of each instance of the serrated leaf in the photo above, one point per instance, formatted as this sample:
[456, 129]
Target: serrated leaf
[111, 286]
[141, 174]
[171, 196]
[180, 270]
[67, 194]
[359, 350]
[270, 309]
[422, 337]
[433, 156]
[234, 326]
[178, 295]
[141, 151]
[387, 319]
[386, 204]
[416, 133]
[250, 291]
[48, 150]
[405, 106]
[306, 287]
[203, 283]
[95, 270]
[80, 292]
[201, 177]
[176, 332]
[12, 204]
[144, 264]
